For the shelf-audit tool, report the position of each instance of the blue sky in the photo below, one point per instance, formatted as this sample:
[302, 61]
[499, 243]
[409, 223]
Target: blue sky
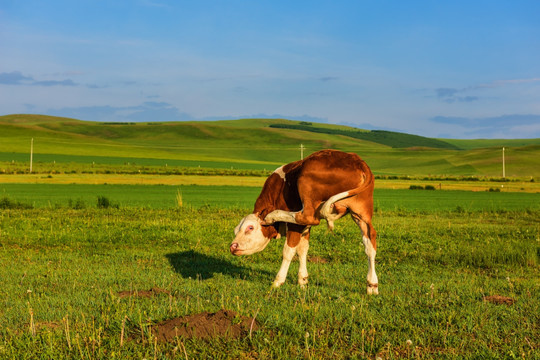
[458, 69]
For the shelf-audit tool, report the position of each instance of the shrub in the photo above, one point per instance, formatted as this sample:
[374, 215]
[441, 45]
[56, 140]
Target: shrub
[429, 187]
[76, 204]
[7, 203]
[416, 187]
[103, 202]
[460, 209]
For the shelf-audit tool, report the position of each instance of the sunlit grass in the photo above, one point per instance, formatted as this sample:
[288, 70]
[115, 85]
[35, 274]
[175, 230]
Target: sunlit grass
[224, 192]
[62, 270]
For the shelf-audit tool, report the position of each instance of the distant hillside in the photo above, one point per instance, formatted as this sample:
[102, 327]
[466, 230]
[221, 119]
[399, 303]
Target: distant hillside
[389, 138]
[488, 143]
[256, 144]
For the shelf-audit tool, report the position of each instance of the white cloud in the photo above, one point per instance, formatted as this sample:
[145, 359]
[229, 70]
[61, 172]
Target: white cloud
[506, 126]
[17, 78]
[499, 83]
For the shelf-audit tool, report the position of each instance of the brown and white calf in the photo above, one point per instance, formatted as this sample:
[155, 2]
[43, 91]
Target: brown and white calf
[326, 185]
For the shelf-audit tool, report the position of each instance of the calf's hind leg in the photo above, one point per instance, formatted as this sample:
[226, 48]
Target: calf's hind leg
[302, 249]
[370, 246]
[305, 217]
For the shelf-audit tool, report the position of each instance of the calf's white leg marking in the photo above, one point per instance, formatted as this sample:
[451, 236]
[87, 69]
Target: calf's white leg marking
[280, 215]
[325, 212]
[288, 254]
[373, 281]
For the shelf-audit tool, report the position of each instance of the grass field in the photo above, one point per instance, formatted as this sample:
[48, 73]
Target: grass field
[444, 259]
[63, 162]
[228, 196]
[149, 209]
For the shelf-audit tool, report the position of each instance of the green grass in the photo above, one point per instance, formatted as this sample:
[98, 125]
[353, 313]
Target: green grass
[67, 250]
[54, 161]
[147, 196]
[164, 196]
[61, 271]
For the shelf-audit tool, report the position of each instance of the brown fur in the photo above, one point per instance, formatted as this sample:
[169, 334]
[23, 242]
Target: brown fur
[309, 183]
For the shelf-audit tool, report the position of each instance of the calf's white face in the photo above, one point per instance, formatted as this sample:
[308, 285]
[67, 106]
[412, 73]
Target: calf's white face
[249, 238]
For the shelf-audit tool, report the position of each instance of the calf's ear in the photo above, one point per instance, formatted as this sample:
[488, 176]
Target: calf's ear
[261, 219]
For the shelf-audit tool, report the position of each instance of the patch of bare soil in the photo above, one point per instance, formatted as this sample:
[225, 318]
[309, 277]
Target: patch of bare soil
[318, 260]
[498, 299]
[50, 325]
[225, 323]
[143, 293]
[47, 325]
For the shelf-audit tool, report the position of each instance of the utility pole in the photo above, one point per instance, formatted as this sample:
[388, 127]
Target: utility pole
[302, 151]
[31, 153]
[504, 172]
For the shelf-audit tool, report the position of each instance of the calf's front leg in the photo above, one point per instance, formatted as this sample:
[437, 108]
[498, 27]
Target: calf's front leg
[288, 255]
[295, 242]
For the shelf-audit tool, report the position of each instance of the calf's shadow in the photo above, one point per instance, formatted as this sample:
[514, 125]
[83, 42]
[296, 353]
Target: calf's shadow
[191, 264]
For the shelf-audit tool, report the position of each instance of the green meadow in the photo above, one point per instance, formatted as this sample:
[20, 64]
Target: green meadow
[59, 162]
[457, 281]
[195, 196]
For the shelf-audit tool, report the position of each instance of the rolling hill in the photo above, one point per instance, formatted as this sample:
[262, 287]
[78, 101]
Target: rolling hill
[256, 144]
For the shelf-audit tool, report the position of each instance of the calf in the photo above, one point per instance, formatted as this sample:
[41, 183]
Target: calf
[326, 185]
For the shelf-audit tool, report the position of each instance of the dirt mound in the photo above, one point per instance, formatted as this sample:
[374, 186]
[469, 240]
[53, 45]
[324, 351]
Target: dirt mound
[143, 293]
[226, 323]
[318, 260]
[48, 325]
[498, 299]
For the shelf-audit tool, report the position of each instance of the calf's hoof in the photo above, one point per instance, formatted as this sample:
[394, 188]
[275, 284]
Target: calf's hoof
[277, 283]
[372, 289]
[302, 281]
[269, 219]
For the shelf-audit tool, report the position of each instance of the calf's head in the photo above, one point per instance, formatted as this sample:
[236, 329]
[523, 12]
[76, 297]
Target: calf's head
[251, 236]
